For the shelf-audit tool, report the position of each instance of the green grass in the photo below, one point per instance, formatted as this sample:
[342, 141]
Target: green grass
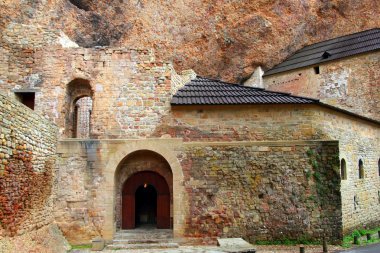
[81, 246]
[348, 240]
[288, 242]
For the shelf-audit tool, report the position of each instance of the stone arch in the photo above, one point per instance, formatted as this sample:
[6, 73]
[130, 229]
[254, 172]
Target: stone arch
[78, 105]
[119, 149]
[138, 162]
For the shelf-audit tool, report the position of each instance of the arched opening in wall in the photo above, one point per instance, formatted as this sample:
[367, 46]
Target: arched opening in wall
[82, 116]
[361, 169]
[144, 191]
[343, 170]
[78, 107]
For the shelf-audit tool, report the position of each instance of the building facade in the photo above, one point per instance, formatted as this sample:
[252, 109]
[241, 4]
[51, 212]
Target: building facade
[203, 157]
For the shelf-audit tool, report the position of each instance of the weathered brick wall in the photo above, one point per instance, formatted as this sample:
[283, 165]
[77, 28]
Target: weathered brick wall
[76, 192]
[18, 44]
[27, 155]
[224, 150]
[358, 139]
[263, 191]
[351, 83]
[131, 90]
[239, 123]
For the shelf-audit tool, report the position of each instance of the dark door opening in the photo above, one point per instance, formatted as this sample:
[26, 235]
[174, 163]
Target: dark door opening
[146, 205]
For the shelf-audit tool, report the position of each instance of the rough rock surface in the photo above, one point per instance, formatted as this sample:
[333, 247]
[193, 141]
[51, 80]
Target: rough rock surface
[219, 38]
[48, 239]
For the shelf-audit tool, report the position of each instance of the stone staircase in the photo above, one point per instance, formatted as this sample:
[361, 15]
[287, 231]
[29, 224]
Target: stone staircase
[143, 238]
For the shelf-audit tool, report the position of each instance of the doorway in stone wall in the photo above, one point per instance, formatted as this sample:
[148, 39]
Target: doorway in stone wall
[78, 109]
[145, 201]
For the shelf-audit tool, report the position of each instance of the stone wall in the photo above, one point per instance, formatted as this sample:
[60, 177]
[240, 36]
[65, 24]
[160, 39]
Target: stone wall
[263, 191]
[223, 152]
[27, 152]
[74, 210]
[220, 189]
[27, 155]
[90, 174]
[131, 90]
[239, 123]
[350, 83]
[18, 44]
[358, 139]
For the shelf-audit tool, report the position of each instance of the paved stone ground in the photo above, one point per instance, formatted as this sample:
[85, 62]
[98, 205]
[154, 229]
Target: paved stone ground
[374, 248]
[214, 249]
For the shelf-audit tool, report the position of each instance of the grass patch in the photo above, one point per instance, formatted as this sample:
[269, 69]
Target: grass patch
[348, 240]
[81, 246]
[289, 242]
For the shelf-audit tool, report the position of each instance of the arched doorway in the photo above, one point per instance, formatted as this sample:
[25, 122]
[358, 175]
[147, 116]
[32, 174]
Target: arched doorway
[78, 108]
[145, 200]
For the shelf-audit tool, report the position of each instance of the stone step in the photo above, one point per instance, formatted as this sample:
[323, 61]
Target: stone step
[143, 238]
[144, 231]
[171, 245]
[140, 241]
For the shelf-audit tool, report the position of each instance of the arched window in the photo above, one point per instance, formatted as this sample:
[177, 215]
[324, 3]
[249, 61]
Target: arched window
[361, 169]
[78, 109]
[82, 114]
[343, 171]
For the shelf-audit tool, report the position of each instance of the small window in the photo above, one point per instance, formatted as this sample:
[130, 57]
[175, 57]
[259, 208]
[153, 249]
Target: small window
[316, 70]
[378, 166]
[361, 169]
[343, 171]
[27, 98]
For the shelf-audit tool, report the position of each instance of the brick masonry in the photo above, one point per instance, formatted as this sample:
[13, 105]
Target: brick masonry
[263, 191]
[27, 154]
[351, 83]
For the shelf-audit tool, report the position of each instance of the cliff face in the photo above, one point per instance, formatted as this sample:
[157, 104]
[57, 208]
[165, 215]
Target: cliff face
[218, 38]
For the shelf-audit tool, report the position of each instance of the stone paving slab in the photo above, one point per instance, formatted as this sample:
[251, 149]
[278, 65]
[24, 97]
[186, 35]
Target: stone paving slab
[215, 249]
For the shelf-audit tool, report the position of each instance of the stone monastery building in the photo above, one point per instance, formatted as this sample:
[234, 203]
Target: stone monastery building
[114, 139]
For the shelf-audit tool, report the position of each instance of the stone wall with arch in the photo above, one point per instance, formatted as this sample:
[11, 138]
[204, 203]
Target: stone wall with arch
[139, 161]
[90, 176]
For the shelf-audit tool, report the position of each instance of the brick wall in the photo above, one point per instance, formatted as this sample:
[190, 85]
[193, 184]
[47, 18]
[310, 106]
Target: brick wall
[131, 90]
[27, 152]
[239, 123]
[351, 83]
[263, 191]
[357, 140]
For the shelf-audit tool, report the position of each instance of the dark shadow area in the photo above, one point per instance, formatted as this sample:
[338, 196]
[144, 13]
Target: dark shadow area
[81, 4]
[146, 205]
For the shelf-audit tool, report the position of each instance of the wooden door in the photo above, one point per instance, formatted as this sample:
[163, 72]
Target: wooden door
[128, 207]
[163, 211]
[128, 198]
